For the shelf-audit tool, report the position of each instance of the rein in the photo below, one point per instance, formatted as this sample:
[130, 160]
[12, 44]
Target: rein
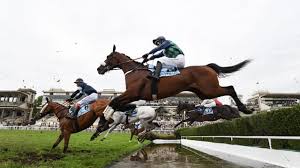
[63, 108]
[133, 69]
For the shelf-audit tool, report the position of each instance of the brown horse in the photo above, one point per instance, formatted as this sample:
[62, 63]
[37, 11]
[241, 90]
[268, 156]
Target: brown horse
[201, 80]
[219, 112]
[68, 126]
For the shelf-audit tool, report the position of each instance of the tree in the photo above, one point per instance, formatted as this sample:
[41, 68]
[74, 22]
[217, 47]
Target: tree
[36, 104]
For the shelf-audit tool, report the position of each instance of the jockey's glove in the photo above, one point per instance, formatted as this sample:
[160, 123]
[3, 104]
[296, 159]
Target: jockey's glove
[145, 56]
[145, 60]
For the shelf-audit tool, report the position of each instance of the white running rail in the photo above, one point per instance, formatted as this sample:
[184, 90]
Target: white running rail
[269, 138]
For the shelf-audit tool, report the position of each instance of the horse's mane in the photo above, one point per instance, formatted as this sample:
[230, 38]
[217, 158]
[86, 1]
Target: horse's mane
[60, 104]
[132, 59]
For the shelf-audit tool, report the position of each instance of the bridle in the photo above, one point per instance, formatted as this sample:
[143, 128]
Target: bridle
[116, 67]
[56, 108]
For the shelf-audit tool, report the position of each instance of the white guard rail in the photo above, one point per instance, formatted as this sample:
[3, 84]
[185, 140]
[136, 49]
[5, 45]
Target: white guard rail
[246, 155]
[269, 138]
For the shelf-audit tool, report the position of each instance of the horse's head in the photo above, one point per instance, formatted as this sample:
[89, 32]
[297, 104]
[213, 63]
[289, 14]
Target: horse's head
[47, 108]
[184, 106]
[113, 60]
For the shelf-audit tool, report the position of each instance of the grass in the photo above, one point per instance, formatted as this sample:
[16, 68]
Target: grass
[32, 149]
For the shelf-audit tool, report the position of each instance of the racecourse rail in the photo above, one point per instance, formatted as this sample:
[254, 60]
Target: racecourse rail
[246, 155]
[269, 138]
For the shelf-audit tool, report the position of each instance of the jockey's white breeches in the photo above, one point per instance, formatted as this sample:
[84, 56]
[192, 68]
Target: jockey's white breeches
[88, 99]
[166, 62]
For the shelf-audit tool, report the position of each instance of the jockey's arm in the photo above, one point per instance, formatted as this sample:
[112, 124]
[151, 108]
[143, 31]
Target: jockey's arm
[77, 94]
[161, 54]
[164, 45]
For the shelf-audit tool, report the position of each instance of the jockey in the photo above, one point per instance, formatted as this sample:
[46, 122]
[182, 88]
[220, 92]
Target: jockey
[171, 53]
[209, 103]
[83, 89]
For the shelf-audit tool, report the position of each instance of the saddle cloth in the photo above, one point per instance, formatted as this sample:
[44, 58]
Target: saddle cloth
[165, 71]
[205, 110]
[83, 109]
[131, 114]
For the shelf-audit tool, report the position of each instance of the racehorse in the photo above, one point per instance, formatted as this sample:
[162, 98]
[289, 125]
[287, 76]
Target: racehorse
[139, 131]
[219, 112]
[201, 80]
[68, 126]
[144, 114]
[135, 131]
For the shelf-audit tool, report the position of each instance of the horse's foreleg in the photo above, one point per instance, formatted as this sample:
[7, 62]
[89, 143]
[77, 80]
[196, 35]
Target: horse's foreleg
[132, 132]
[110, 130]
[100, 128]
[61, 136]
[96, 134]
[66, 139]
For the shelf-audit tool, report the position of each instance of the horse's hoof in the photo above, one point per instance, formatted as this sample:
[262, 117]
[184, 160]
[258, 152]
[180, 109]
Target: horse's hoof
[245, 110]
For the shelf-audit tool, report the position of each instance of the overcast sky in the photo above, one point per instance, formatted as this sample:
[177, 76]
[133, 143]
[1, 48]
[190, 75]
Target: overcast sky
[45, 41]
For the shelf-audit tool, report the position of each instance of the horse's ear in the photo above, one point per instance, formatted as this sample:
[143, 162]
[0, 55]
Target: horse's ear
[114, 48]
[48, 100]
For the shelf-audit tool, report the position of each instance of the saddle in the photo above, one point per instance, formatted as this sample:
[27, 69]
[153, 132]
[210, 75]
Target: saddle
[165, 72]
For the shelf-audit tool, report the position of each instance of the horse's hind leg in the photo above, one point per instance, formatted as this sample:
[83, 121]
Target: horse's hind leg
[61, 136]
[240, 105]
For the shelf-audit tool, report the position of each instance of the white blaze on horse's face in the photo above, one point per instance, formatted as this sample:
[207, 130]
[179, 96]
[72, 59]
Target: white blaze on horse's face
[43, 108]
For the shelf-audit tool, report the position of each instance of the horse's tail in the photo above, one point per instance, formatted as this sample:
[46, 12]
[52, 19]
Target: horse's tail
[228, 69]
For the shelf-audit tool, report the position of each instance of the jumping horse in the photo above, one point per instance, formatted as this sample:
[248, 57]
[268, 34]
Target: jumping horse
[68, 126]
[144, 114]
[219, 112]
[201, 80]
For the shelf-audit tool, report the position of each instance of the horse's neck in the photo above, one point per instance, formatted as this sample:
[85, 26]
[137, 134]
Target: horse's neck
[190, 107]
[130, 64]
[60, 111]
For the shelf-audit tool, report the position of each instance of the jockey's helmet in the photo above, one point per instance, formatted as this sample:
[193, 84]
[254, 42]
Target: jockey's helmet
[159, 40]
[79, 80]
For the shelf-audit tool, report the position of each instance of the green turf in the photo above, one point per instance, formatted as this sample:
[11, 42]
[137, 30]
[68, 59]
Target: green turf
[32, 149]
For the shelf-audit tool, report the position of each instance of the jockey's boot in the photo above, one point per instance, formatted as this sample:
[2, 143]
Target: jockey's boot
[157, 71]
[73, 116]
